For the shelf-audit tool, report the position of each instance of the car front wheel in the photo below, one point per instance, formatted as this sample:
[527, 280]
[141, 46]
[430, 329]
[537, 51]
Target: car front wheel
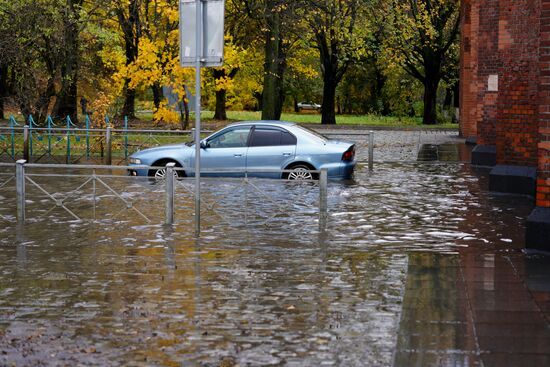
[300, 172]
[160, 173]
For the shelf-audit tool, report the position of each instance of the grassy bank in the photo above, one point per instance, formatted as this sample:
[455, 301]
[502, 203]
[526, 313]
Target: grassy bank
[145, 119]
[315, 118]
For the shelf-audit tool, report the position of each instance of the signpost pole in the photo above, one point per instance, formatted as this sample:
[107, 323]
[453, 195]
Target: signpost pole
[201, 45]
[198, 45]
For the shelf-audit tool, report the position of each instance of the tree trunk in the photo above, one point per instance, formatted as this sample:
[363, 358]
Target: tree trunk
[259, 99]
[184, 111]
[380, 82]
[44, 100]
[128, 109]
[220, 113]
[329, 97]
[131, 31]
[66, 102]
[430, 98]
[157, 95]
[274, 67]
[3, 88]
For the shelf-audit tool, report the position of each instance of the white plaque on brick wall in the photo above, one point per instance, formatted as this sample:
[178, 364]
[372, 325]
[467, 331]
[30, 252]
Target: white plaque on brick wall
[492, 85]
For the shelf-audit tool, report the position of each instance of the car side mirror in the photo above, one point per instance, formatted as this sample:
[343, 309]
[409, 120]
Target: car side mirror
[204, 144]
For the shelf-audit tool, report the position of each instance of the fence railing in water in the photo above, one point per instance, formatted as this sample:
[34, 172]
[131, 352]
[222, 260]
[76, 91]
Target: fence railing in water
[75, 190]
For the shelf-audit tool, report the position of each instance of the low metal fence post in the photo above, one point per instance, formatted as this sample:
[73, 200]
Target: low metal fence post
[169, 207]
[108, 146]
[50, 124]
[323, 207]
[12, 126]
[371, 149]
[26, 145]
[125, 137]
[31, 123]
[87, 137]
[20, 189]
[68, 155]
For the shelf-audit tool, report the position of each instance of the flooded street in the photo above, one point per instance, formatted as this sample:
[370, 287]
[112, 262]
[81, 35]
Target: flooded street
[418, 265]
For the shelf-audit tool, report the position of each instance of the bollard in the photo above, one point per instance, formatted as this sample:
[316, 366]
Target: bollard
[50, 123]
[125, 137]
[108, 146]
[68, 154]
[31, 123]
[169, 207]
[20, 189]
[323, 208]
[26, 144]
[371, 149]
[87, 137]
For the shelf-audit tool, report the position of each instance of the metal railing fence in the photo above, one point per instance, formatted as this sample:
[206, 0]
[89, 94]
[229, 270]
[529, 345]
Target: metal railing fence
[76, 192]
[393, 145]
[67, 143]
[72, 145]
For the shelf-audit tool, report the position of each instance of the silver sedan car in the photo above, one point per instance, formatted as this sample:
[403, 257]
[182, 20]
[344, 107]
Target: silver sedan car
[254, 148]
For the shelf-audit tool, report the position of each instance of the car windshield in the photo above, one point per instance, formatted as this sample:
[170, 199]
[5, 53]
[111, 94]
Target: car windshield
[313, 132]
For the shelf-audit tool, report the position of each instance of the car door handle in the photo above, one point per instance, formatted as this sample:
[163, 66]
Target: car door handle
[287, 154]
[238, 154]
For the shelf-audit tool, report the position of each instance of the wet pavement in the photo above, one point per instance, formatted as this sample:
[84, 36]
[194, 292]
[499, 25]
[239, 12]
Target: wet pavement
[418, 265]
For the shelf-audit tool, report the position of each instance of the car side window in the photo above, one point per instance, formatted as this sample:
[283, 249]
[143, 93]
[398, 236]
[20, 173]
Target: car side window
[233, 138]
[264, 137]
[287, 138]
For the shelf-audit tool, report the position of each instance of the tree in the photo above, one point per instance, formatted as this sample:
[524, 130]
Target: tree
[31, 45]
[277, 21]
[336, 35]
[223, 76]
[303, 76]
[128, 14]
[66, 101]
[422, 38]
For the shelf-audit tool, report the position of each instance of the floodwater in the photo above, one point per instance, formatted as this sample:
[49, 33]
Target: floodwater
[418, 265]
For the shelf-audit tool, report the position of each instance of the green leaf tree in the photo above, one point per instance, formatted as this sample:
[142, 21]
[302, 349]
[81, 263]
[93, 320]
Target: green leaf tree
[338, 38]
[422, 38]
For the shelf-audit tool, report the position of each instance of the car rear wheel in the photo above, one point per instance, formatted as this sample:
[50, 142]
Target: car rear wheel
[300, 172]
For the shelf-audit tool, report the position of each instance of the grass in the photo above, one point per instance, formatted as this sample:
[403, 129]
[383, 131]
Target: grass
[146, 118]
[315, 118]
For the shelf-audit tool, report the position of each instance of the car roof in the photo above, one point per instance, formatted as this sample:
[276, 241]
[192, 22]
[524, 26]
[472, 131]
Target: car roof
[265, 122]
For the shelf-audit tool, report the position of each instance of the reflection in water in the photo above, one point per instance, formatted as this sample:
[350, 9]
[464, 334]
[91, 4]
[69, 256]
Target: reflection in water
[411, 263]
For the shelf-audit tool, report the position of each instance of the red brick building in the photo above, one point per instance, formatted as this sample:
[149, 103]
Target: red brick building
[505, 99]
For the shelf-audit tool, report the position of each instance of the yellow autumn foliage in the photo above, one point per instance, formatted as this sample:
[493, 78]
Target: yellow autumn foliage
[166, 114]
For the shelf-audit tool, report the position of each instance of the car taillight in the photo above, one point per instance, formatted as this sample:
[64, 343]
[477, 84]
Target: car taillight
[349, 154]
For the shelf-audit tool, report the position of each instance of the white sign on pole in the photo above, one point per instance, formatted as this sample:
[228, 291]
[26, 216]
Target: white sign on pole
[212, 33]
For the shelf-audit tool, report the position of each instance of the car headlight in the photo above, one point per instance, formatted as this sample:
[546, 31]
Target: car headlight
[135, 160]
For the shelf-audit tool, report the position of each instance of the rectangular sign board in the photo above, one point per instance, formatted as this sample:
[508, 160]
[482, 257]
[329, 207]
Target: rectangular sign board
[212, 32]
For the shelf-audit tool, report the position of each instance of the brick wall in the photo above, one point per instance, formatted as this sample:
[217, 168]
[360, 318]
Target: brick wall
[479, 60]
[517, 103]
[508, 40]
[543, 179]
[468, 68]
